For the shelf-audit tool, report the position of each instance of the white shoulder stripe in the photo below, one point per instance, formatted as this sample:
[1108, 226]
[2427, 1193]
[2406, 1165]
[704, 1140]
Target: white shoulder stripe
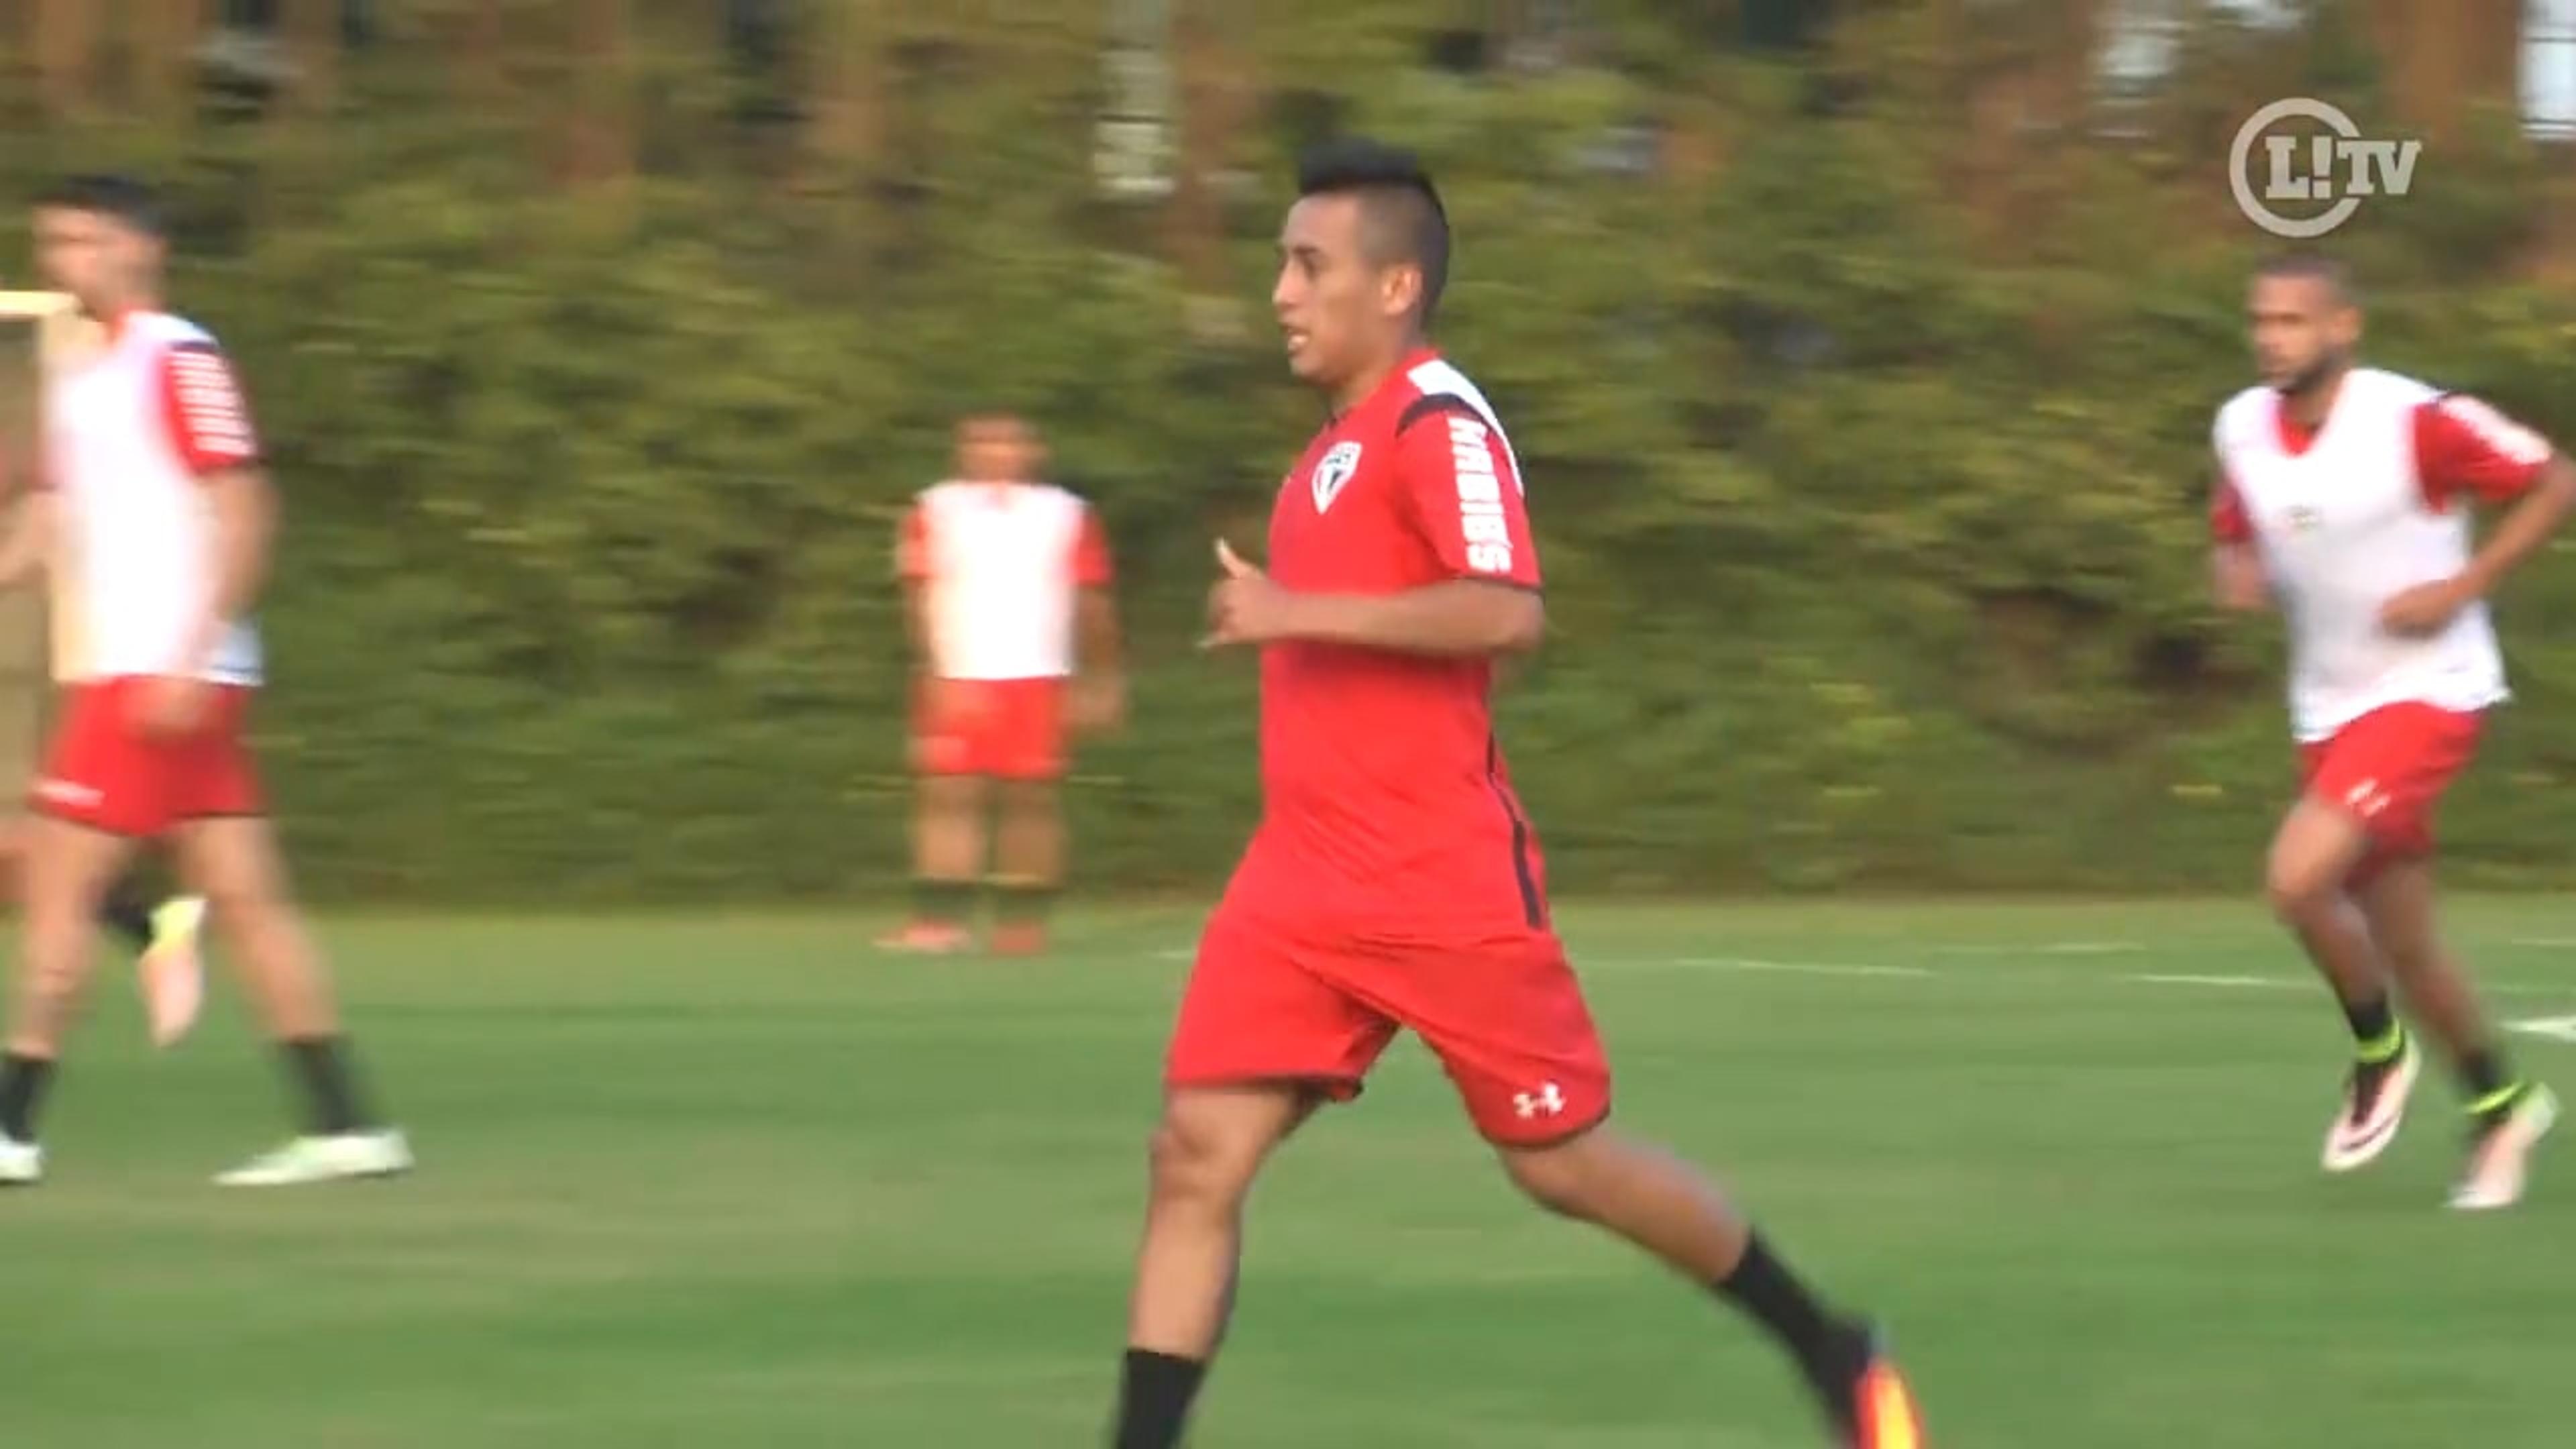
[1438, 378]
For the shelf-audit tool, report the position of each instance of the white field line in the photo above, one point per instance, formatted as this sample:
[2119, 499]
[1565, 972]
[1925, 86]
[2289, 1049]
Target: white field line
[1799, 968]
[2224, 983]
[1882, 970]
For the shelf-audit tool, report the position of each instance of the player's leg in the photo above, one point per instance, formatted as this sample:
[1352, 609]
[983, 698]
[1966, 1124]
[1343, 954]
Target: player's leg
[1259, 1044]
[2319, 847]
[226, 850]
[1206, 1151]
[2509, 1112]
[1512, 1030]
[948, 857]
[1029, 845]
[1028, 863]
[128, 912]
[233, 862]
[101, 788]
[68, 868]
[950, 752]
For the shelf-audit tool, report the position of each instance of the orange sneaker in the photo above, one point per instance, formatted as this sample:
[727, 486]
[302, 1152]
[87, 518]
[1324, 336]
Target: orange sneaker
[1019, 940]
[1875, 1408]
[926, 938]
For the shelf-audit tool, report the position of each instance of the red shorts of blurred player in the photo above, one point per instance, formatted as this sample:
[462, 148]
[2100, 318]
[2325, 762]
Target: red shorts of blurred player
[1506, 1018]
[103, 771]
[2388, 770]
[1008, 729]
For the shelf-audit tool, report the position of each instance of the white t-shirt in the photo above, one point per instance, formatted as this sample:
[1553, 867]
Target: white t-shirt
[132, 431]
[1000, 565]
[2368, 505]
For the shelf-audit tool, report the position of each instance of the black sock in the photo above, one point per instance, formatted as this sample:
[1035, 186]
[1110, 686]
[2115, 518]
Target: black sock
[2490, 1082]
[2374, 1028]
[941, 902]
[22, 1091]
[1154, 1394]
[321, 1067]
[1825, 1346]
[1022, 902]
[128, 913]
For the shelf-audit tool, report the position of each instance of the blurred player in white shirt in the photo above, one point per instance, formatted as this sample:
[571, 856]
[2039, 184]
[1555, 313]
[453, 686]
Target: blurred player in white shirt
[168, 966]
[1006, 583]
[2345, 494]
[154, 526]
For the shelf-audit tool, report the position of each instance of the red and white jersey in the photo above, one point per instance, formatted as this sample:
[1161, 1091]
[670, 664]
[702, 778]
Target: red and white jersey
[131, 433]
[1387, 811]
[2370, 504]
[1000, 565]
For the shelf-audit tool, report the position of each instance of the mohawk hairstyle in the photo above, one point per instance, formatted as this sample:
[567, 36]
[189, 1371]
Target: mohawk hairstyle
[1400, 207]
[2313, 266]
[122, 197]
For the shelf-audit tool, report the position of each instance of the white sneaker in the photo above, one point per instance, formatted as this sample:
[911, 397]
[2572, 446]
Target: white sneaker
[324, 1159]
[22, 1164]
[172, 971]
[2374, 1103]
[2500, 1158]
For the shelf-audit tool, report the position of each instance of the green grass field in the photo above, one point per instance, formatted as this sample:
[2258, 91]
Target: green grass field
[737, 1180]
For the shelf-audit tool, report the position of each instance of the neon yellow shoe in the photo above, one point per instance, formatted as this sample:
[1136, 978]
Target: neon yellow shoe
[172, 971]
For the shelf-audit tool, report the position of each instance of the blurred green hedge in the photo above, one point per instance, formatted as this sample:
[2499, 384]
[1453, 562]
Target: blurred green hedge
[1875, 541]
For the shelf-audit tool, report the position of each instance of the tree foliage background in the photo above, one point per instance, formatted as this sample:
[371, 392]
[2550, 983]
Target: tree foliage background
[1862, 373]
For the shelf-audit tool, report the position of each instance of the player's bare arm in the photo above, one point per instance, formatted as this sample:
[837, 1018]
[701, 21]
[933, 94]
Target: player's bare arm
[2237, 580]
[2429, 608]
[1458, 618]
[1100, 688]
[242, 508]
[24, 548]
[2236, 577]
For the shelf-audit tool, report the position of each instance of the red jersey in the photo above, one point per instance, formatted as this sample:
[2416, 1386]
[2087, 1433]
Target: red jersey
[1387, 813]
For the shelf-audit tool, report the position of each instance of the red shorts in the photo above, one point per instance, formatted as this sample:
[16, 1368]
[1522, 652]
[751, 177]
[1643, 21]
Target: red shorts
[1506, 1018]
[102, 771]
[1010, 729]
[2388, 770]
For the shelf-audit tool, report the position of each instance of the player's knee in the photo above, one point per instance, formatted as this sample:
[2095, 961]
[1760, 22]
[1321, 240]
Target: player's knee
[1030, 801]
[1202, 1158]
[1560, 1179]
[2297, 894]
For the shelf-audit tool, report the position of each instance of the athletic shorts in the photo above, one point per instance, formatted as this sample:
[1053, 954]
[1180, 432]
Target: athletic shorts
[2389, 769]
[1505, 1017]
[1009, 729]
[103, 771]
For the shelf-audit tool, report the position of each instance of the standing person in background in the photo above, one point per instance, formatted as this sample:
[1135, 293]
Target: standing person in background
[1006, 589]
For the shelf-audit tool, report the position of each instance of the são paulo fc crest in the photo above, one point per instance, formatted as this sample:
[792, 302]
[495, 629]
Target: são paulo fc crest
[1333, 472]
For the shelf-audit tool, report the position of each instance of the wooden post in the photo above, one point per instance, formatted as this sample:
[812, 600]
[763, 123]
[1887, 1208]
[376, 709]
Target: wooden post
[844, 78]
[163, 36]
[601, 141]
[311, 30]
[66, 43]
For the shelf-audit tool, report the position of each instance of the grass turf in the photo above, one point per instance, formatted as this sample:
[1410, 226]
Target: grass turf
[739, 1180]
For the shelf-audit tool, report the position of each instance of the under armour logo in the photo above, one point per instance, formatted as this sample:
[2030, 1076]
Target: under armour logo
[2366, 798]
[1547, 1101]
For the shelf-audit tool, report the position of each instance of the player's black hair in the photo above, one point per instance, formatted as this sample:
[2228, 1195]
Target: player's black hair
[127, 200]
[2313, 266]
[1405, 219]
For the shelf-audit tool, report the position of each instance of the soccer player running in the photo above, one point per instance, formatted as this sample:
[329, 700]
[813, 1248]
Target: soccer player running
[157, 516]
[2345, 492]
[1394, 881]
[1006, 584]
